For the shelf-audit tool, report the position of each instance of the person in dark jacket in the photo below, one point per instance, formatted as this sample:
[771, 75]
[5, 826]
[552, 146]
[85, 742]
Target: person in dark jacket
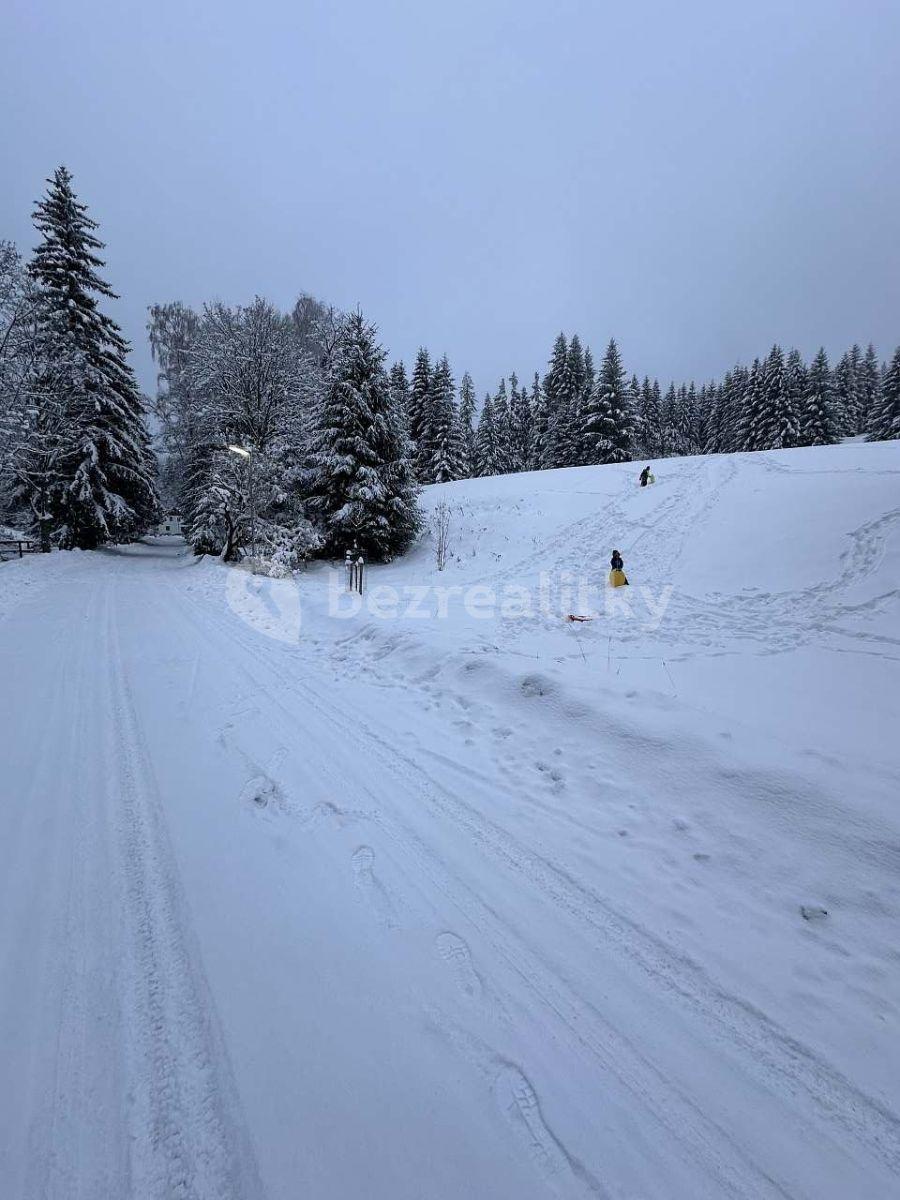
[645, 476]
[617, 573]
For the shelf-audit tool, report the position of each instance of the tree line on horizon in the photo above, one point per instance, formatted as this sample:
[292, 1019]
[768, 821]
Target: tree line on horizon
[290, 429]
[578, 416]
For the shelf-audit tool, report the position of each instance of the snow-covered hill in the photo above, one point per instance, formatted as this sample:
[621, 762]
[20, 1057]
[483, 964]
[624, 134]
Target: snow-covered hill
[733, 557]
[449, 895]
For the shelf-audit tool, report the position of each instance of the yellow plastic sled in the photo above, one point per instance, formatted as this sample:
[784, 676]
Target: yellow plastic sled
[617, 579]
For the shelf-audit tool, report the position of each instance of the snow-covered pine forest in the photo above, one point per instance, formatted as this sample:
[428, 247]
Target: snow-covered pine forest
[288, 429]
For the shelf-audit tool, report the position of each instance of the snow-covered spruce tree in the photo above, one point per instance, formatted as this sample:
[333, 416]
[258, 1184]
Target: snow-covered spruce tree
[754, 413]
[587, 390]
[447, 451]
[783, 389]
[885, 426]
[541, 449]
[847, 397]
[35, 367]
[608, 421]
[688, 418]
[870, 386]
[667, 406]
[706, 403]
[817, 425]
[568, 383]
[39, 453]
[364, 489]
[536, 403]
[644, 424]
[857, 365]
[770, 419]
[106, 489]
[637, 413]
[502, 431]
[679, 422]
[877, 409]
[715, 418]
[650, 425]
[486, 440]
[521, 423]
[419, 414]
[785, 385]
[569, 447]
[734, 388]
[720, 434]
[736, 401]
[213, 509]
[553, 415]
[467, 423]
[16, 355]
[400, 389]
[795, 380]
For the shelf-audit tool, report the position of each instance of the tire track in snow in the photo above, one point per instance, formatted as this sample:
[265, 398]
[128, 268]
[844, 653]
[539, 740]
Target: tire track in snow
[188, 1139]
[83, 1076]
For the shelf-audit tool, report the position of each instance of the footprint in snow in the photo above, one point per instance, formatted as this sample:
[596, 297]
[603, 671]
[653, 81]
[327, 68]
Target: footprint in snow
[259, 792]
[371, 890]
[520, 1106]
[454, 951]
[812, 913]
[327, 812]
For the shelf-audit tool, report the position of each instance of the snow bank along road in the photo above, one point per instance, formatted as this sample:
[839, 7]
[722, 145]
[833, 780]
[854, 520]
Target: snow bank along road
[418, 911]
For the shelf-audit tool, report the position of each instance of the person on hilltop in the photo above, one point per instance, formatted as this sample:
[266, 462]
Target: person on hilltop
[645, 476]
[617, 574]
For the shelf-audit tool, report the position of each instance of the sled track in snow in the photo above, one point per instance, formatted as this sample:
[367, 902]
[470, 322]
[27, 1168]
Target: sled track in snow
[610, 521]
[785, 620]
[769, 1056]
[776, 468]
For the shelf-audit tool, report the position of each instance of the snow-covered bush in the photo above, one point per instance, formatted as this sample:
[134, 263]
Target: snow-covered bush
[288, 548]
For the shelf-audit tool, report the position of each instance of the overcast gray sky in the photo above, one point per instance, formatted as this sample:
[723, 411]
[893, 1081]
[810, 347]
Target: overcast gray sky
[696, 177]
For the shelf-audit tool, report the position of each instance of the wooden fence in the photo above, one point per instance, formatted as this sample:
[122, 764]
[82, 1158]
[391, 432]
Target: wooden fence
[16, 547]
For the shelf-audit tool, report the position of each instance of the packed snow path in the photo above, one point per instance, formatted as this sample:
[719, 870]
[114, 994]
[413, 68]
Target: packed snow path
[273, 926]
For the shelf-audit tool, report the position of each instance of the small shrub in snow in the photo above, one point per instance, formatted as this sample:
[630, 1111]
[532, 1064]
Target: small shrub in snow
[440, 524]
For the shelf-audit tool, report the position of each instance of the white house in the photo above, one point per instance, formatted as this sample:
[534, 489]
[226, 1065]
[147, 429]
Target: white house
[170, 524]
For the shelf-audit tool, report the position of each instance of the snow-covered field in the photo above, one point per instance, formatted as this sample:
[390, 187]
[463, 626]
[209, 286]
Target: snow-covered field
[448, 896]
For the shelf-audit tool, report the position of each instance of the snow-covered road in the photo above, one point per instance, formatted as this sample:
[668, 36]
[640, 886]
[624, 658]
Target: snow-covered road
[266, 932]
